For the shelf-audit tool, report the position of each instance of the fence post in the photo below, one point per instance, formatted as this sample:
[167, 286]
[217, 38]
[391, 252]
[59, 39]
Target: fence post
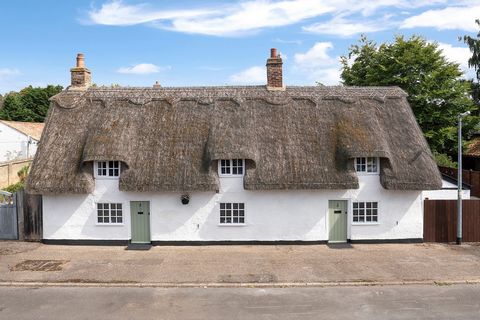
[18, 196]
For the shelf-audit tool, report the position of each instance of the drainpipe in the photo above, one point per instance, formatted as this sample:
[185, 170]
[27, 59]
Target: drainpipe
[29, 140]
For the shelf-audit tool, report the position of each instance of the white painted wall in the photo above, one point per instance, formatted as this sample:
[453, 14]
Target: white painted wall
[13, 144]
[448, 192]
[270, 215]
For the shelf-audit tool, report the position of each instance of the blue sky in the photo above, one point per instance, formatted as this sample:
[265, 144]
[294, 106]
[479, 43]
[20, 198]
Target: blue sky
[181, 43]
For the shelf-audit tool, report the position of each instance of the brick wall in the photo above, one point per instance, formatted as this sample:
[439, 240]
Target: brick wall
[8, 171]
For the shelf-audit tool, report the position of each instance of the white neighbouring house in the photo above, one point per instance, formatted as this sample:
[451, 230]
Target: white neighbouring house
[449, 190]
[18, 140]
[242, 164]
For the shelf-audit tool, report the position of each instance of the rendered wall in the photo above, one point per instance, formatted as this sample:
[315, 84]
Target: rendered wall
[448, 192]
[270, 215]
[13, 144]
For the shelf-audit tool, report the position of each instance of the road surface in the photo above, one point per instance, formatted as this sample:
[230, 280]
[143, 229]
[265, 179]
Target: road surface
[371, 302]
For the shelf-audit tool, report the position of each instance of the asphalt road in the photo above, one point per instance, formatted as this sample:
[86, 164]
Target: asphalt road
[379, 302]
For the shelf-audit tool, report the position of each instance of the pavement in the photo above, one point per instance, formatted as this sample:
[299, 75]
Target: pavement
[361, 303]
[238, 265]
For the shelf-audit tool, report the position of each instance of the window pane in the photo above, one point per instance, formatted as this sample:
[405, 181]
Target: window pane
[232, 213]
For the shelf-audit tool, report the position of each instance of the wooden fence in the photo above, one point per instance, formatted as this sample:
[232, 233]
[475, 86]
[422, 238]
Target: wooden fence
[440, 221]
[469, 177]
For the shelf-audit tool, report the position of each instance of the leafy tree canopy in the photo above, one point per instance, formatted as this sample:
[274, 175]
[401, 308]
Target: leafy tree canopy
[474, 46]
[436, 91]
[30, 104]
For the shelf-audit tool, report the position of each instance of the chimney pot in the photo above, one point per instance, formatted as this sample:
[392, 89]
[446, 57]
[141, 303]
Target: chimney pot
[273, 53]
[80, 60]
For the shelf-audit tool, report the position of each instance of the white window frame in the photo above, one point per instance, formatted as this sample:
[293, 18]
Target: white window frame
[110, 223]
[368, 161]
[365, 223]
[230, 166]
[232, 224]
[107, 168]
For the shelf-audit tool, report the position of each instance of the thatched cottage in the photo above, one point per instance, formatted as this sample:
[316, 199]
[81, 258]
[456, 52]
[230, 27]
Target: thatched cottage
[241, 163]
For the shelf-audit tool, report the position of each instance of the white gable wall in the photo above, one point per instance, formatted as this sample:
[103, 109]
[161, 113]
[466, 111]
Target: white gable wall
[13, 144]
[270, 215]
[449, 191]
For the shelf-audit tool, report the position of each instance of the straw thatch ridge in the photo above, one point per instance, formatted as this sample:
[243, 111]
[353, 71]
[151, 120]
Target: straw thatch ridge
[473, 148]
[170, 139]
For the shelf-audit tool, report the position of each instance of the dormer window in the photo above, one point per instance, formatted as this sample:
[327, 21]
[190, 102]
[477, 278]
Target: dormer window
[107, 169]
[367, 165]
[231, 167]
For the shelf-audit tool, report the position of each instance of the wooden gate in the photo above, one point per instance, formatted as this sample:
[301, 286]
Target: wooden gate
[440, 221]
[8, 217]
[29, 212]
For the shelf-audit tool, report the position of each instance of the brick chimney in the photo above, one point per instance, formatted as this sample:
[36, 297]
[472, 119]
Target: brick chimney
[81, 77]
[274, 71]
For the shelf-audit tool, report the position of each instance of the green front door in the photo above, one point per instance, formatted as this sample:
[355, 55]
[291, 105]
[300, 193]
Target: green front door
[140, 212]
[337, 217]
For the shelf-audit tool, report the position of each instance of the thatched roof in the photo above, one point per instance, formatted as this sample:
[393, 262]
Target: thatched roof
[473, 149]
[32, 129]
[169, 139]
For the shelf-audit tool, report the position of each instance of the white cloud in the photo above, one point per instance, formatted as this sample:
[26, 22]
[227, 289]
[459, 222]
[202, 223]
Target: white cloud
[229, 19]
[142, 68]
[318, 65]
[8, 72]
[243, 17]
[342, 27]
[116, 13]
[459, 55]
[288, 41]
[253, 75]
[461, 18]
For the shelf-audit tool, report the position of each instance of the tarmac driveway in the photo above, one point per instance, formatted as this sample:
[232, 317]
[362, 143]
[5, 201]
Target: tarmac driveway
[246, 264]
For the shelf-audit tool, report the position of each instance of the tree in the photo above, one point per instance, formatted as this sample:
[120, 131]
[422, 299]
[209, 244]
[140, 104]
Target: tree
[474, 61]
[434, 85]
[30, 104]
[474, 45]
